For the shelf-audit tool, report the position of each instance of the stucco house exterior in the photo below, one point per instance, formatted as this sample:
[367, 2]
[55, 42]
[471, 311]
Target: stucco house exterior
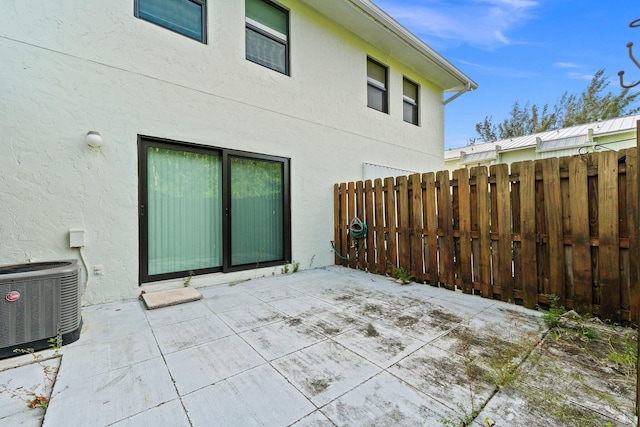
[158, 139]
[611, 134]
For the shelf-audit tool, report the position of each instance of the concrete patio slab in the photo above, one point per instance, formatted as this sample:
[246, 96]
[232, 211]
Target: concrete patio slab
[385, 401]
[257, 397]
[182, 335]
[280, 338]
[325, 371]
[332, 321]
[327, 347]
[177, 314]
[219, 303]
[166, 414]
[196, 367]
[18, 387]
[316, 419]
[111, 354]
[379, 344]
[102, 399]
[300, 306]
[245, 318]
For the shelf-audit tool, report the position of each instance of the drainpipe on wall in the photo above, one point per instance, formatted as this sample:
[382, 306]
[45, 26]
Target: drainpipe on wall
[467, 88]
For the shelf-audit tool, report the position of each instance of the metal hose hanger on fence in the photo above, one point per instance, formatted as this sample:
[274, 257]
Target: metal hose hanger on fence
[358, 231]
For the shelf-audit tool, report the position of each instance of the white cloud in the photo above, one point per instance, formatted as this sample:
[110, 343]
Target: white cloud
[500, 71]
[579, 76]
[486, 23]
[566, 65]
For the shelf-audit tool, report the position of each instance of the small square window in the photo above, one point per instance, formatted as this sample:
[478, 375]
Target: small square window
[410, 101]
[377, 86]
[187, 17]
[267, 35]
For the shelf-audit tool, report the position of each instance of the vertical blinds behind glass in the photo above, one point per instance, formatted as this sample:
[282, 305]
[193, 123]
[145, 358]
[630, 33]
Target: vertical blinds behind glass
[184, 210]
[256, 211]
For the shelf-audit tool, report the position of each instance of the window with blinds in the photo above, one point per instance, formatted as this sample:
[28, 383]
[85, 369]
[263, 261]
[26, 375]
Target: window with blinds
[267, 35]
[186, 17]
[410, 111]
[377, 97]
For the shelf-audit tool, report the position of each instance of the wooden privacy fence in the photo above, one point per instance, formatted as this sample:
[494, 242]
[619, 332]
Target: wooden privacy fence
[561, 226]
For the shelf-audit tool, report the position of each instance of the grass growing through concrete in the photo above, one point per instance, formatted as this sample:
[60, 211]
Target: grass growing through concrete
[582, 373]
[39, 396]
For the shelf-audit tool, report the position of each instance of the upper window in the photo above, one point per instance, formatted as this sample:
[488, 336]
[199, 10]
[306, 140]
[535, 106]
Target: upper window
[267, 35]
[377, 86]
[187, 17]
[410, 101]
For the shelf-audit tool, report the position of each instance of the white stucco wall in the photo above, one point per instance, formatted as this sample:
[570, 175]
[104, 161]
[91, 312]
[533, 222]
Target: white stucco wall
[74, 66]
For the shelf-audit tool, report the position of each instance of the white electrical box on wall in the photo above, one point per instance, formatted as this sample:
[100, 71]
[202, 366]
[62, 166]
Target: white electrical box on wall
[76, 238]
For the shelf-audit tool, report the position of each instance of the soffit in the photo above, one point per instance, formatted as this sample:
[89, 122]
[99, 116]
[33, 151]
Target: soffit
[372, 24]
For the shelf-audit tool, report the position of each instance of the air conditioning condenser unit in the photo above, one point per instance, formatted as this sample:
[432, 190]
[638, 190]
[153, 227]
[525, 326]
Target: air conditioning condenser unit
[39, 301]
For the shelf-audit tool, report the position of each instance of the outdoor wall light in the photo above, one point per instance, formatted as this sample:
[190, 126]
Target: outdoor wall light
[94, 139]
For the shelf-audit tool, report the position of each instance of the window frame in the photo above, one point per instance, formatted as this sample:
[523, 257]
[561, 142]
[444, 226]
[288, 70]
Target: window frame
[382, 87]
[414, 103]
[203, 20]
[225, 155]
[270, 33]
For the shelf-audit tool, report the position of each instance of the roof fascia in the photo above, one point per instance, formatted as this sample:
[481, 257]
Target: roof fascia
[366, 20]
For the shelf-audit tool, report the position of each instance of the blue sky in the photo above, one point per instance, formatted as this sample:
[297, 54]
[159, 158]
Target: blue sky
[525, 50]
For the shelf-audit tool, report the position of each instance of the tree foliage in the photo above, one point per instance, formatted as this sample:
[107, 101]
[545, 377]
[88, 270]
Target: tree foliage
[591, 105]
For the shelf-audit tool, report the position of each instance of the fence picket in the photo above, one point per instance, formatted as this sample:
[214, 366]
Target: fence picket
[581, 242]
[402, 194]
[553, 217]
[391, 234]
[379, 228]
[431, 222]
[464, 226]
[417, 260]
[608, 236]
[445, 224]
[368, 219]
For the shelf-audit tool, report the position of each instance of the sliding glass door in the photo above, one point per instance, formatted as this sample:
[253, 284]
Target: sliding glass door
[206, 210]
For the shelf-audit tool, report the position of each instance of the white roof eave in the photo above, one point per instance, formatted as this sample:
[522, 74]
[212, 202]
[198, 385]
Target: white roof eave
[372, 24]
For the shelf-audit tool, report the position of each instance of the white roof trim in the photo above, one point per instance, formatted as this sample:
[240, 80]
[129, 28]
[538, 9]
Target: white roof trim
[367, 21]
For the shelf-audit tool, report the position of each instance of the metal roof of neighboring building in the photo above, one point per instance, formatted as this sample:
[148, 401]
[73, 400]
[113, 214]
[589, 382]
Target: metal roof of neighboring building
[553, 139]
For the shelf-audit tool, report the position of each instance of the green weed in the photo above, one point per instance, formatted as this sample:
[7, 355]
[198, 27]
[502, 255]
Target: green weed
[31, 397]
